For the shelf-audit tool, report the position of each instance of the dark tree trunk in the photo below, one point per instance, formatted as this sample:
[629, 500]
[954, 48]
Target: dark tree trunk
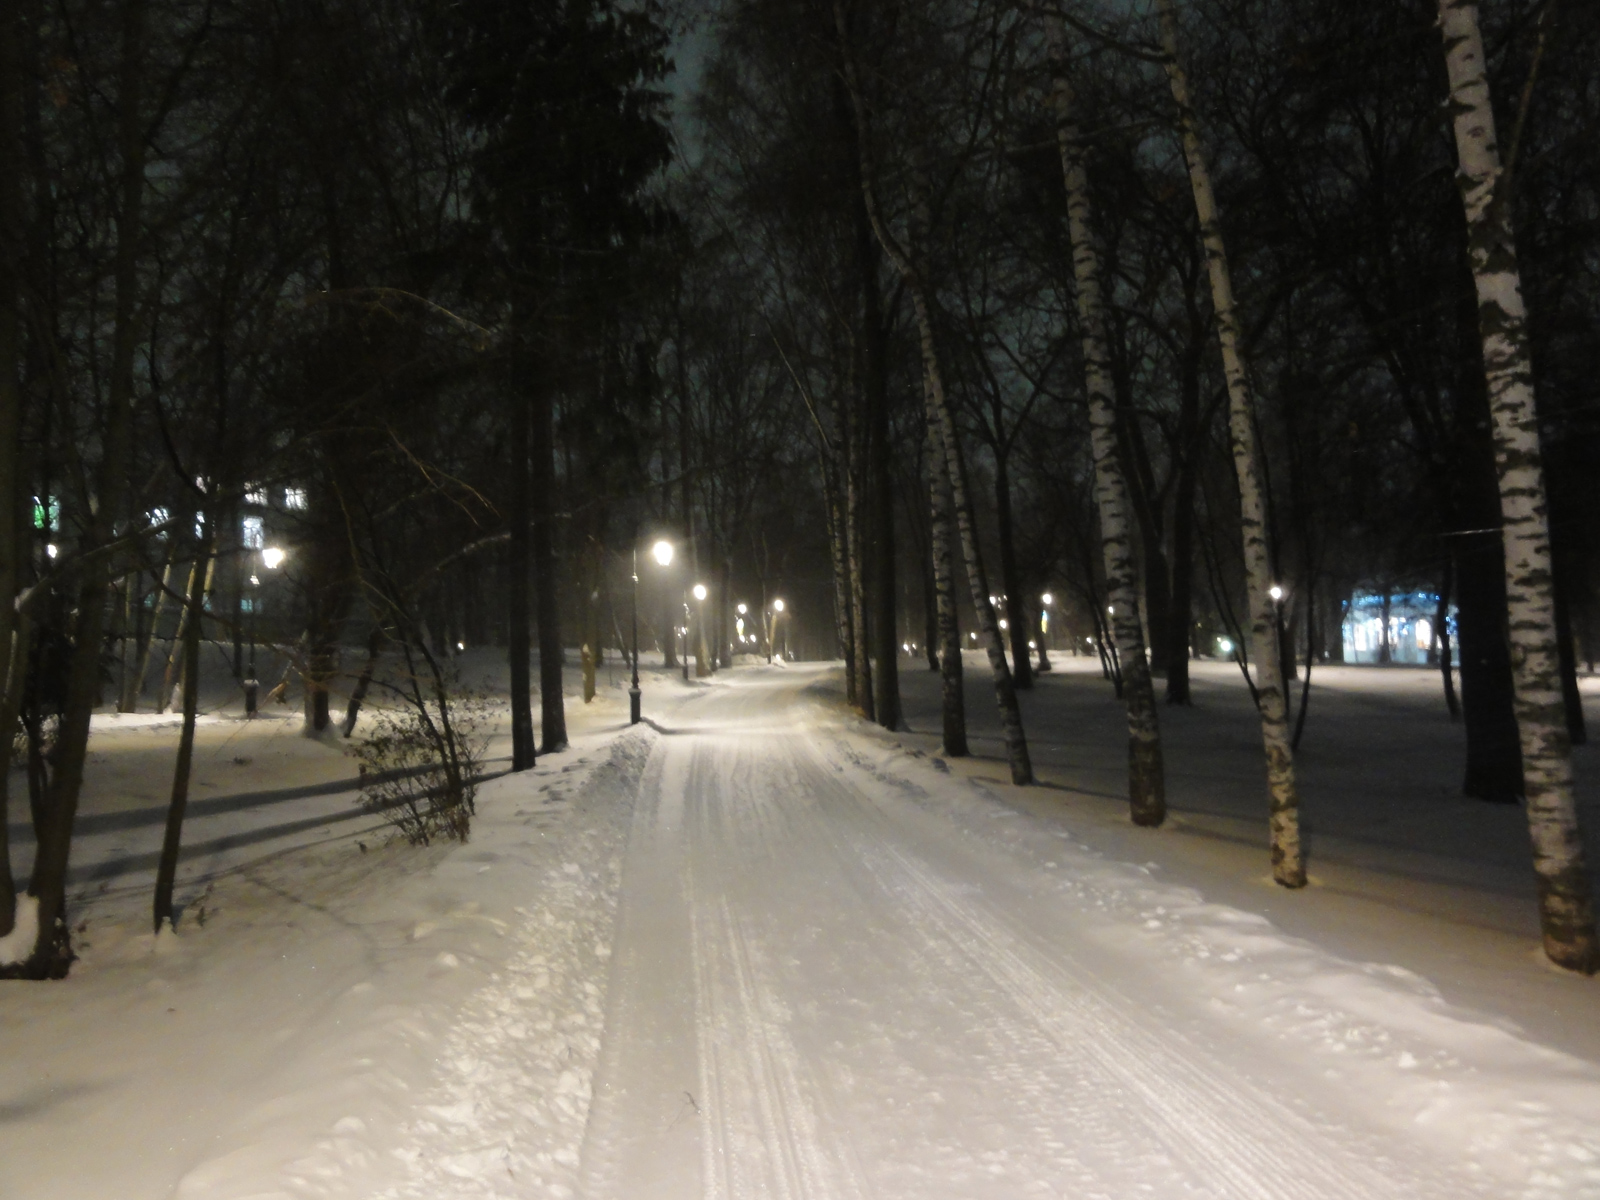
[1572, 699]
[1441, 633]
[52, 954]
[552, 707]
[1181, 613]
[172, 838]
[878, 461]
[952, 692]
[358, 696]
[1494, 748]
[1015, 609]
[519, 569]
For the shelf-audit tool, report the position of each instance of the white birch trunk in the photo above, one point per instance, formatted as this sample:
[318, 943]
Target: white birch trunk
[952, 692]
[1147, 796]
[944, 424]
[1288, 862]
[1566, 912]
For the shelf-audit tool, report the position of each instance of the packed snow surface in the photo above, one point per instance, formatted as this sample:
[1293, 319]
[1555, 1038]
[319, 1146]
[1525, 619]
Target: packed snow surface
[755, 949]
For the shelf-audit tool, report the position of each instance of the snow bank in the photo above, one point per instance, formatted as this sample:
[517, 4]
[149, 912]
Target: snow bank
[1523, 1118]
[19, 943]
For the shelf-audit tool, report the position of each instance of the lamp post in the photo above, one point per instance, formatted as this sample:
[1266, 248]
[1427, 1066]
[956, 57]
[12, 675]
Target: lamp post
[662, 553]
[271, 558]
[777, 611]
[1044, 631]
[699, 616]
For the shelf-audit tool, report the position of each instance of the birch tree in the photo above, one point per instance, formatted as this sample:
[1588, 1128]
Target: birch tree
[952, 693]
[916, 282]
[1566, 913]
[1288, 861]
[1147, 798]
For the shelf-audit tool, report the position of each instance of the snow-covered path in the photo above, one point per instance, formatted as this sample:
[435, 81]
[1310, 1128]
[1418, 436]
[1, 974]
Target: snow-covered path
[823, 986]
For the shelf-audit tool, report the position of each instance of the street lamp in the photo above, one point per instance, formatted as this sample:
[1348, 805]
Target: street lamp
[271, 558]
[1044, 631]
[777, 611]
[692, 624]
[662, 553]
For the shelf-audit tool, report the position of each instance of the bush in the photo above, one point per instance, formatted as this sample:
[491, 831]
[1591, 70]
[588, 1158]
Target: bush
[420, 767]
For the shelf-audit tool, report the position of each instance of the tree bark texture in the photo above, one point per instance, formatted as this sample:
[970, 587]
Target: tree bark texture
[1147, 790]
[1288, 861]
[1565, 906]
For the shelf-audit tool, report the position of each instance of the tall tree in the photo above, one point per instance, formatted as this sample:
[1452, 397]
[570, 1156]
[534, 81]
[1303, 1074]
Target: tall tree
[1146, 773]
[1288, 861]
[1565, 906]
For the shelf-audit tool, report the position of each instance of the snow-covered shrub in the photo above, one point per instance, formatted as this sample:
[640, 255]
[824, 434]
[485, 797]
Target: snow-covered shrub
[420, 766]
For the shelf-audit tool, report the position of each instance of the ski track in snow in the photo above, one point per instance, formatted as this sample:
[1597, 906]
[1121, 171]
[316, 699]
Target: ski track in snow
[770, 956]
[863, 1013]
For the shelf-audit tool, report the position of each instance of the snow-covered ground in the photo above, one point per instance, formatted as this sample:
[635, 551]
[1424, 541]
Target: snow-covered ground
[757, 948]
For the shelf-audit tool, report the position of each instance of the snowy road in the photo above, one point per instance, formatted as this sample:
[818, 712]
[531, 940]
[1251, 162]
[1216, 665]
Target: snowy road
[822, 986]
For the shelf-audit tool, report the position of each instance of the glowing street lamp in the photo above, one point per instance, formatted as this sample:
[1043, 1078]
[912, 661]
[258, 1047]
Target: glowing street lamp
[271, 558]
[662, 553]
[772, 637]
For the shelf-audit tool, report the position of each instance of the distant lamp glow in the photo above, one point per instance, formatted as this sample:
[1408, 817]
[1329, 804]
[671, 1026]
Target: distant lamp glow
[700, 591]
[741, 609]
[906, 646]
[273, 557]
[1048, 599]
[461, 645]
[1111, 608]
[1002, 623]
[777, 606]
[973, 636]
[1033, 645]
[662, 553]
[1275, 592]
[1225, 645]
[52, 550]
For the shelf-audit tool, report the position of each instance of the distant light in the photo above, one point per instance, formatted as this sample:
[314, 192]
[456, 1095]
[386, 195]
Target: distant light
[1275, 592]
[461, 645]
[294, 497]
[273, 557]
[1033, 645]
[1048, 599]
[255, 580]
[662, 553]
[973, 636]
[1225, 645]
[699, 591]
[1111, 608]
[1002, 623]
[906, 646]
[52, 550]
[777, 606]
[994, 599]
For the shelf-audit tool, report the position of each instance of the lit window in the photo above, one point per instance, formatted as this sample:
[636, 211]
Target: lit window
[294, 497]
[252, 534]
[254, 493]
[47, 514]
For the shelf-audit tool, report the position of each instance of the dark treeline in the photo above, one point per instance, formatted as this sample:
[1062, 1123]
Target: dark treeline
[964, 324]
